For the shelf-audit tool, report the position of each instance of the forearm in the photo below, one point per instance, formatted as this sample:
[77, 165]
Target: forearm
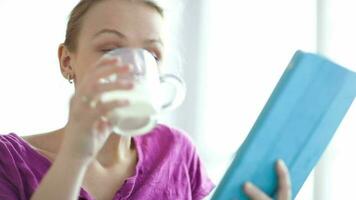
[63, 180]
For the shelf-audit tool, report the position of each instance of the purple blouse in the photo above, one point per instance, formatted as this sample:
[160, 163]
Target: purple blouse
[168, 168]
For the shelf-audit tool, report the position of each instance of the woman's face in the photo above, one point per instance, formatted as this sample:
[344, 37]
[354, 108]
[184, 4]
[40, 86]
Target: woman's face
[114, 24]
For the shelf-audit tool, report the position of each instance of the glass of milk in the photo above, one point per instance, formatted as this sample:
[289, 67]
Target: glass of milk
[146, 97]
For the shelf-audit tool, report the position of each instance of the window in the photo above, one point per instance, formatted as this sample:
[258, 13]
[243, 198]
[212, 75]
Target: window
[249, 45]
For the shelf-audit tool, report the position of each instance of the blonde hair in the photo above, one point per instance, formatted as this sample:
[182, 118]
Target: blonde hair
[76, 19]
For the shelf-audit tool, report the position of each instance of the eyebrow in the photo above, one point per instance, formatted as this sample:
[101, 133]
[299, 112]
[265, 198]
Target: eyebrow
[121, 35]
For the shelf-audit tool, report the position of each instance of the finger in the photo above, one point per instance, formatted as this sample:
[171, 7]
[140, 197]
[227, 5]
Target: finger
[119, 69]
[284, 183]
[105, 72]
[83, 111]
[104, 62]
[99, 89]
[255, 193]
[92, 84]
[103, 126]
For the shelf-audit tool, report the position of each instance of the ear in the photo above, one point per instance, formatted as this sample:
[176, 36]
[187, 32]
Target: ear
[65, 58]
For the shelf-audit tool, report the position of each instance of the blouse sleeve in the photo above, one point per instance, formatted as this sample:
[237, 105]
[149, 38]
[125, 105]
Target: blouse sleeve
[6, 190]
[200, 183]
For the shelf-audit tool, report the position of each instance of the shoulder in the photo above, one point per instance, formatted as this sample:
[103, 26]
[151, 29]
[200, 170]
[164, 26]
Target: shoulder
[10, 143]
[171, 151]
[14, 149]
[47, 142]
[9, 148]
[18, 153]
[20, 167]
[168, 132]
[168, 136]
[167, 144]
[13, 154]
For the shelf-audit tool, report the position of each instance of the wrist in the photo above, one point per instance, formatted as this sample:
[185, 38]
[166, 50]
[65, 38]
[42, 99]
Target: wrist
[71, 158]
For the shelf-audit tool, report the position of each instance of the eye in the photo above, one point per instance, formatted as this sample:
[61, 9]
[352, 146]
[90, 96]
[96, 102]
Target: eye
[106, 50]
[110, 47]
[156, 56]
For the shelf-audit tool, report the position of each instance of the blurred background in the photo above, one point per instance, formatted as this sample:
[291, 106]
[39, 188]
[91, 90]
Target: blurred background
[231, 64]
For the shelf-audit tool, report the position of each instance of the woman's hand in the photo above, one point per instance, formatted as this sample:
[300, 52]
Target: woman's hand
[284, 186]
[87, 128]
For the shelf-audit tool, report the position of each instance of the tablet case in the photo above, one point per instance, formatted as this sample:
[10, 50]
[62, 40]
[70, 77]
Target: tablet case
[296, 125]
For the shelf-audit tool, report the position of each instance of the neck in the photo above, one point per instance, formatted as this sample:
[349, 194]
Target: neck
[117, 150]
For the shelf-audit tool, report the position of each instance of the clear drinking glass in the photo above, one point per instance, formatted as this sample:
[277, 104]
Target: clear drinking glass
[146, 98]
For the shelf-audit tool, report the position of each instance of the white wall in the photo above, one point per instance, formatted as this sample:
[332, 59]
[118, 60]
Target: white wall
[34, 94]
[335, 173]
[250, 45]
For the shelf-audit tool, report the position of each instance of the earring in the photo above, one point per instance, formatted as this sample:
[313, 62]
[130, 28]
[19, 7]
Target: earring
[70, 78]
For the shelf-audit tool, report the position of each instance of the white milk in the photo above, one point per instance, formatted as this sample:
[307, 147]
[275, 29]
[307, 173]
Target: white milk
[145, 102]
[144, 105]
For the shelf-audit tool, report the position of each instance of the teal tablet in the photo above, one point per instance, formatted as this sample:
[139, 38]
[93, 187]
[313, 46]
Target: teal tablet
[296, 125]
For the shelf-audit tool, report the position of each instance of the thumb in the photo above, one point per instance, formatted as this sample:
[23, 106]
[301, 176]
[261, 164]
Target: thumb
[103, 128]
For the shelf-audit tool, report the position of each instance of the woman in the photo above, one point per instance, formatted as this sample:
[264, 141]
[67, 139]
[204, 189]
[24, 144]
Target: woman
[85, 158]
